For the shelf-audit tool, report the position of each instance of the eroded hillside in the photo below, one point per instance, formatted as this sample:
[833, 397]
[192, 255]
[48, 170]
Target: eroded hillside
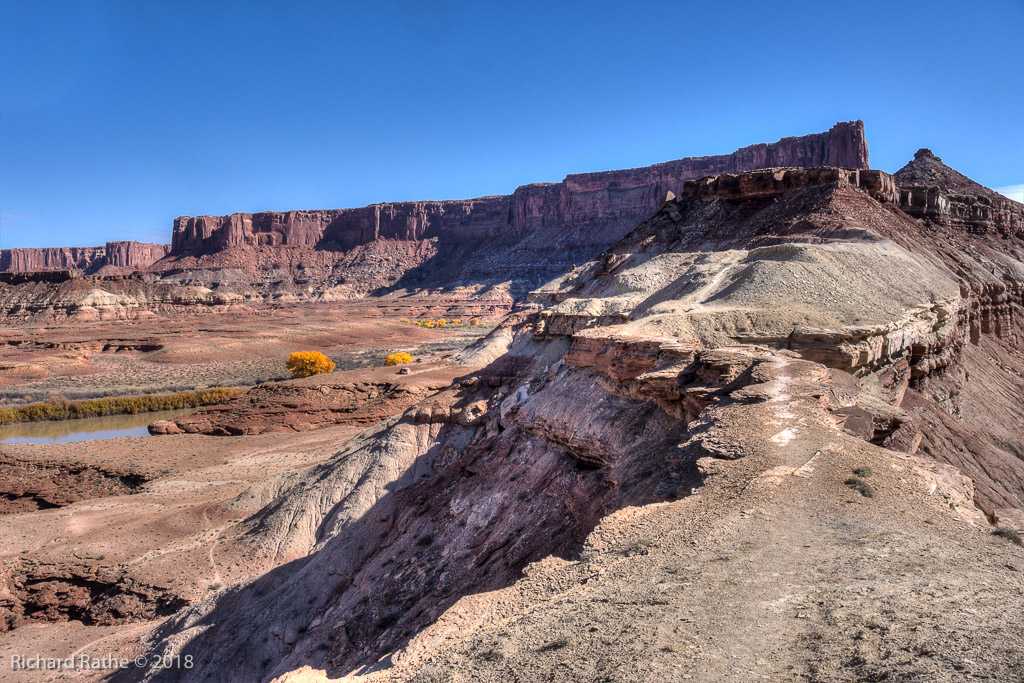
[757, 437]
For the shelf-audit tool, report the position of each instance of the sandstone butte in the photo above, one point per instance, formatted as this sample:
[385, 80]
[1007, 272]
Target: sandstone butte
[646, 471]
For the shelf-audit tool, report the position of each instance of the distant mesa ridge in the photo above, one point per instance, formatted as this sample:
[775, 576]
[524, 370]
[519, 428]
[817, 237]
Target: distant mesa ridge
[597, 199]
[114, 258]
[601, 205]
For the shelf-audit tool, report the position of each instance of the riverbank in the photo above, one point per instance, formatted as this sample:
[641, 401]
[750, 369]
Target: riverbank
[115, 405]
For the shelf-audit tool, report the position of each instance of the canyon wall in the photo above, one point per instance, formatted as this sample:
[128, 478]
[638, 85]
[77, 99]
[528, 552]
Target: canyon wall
[132, 256]
[588, 199]
[113, 258]
[50, 258]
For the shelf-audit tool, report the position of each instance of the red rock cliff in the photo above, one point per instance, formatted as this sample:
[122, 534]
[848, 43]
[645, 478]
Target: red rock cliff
[114, 257]
[131, 256]
[598, 200]
[50, 258]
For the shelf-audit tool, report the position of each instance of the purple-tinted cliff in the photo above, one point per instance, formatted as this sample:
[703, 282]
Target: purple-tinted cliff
[603, 202]
[112, 258]
[50, 258]
[131, 256]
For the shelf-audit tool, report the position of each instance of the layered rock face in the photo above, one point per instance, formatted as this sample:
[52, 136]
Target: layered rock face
[931, 190]
[515, 242]
[107, 297]
[113, 258]
[128, 257]
[50, 258]
[581, 199]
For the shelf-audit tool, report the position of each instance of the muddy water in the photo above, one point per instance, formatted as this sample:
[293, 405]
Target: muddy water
[86, 429]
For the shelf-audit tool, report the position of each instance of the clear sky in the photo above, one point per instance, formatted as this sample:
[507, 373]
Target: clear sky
[115, 117]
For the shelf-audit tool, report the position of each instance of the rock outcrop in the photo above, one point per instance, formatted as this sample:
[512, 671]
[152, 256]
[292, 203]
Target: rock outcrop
[33, 484]
[128, 257]
[933, 191]
[84, 590]
[110, 259]
[309, 403]
[111, 297]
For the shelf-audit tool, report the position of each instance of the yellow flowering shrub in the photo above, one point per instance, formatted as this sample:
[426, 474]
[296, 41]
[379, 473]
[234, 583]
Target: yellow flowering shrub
[307, 363]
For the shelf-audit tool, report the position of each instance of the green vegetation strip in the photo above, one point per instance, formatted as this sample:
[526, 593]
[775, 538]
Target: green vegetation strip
[123, 405]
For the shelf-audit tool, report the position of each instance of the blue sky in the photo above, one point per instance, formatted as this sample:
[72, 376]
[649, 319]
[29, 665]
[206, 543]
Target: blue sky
[115, 117]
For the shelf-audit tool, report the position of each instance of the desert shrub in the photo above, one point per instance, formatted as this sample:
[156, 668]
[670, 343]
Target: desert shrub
[858, 484]
[1009, 534]
[308, 363]
[639, 546]
[441, 322]
[863, 471]
[457, 321]
[405, 320]
[557, 644]
[123, 405]
[398, 359]
[474, 321]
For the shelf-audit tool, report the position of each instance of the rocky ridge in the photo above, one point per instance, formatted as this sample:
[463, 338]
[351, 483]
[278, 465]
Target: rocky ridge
[760, 330]
[31, 484]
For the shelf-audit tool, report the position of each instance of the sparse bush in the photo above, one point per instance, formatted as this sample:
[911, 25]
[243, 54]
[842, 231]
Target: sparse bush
[638, 547]
[398, 359]
[557, 643]
[863, 471]
[405, 320]
[308, 363]
[1009, 534]
[858, 484]
[474, 321]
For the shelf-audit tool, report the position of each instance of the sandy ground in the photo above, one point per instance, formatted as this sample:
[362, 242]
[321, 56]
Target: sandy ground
[166, 534]
[87, 360]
